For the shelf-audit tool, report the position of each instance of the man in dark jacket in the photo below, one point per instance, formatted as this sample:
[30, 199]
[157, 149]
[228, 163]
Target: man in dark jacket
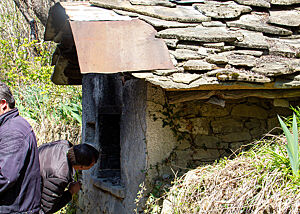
[58, 160]
[19, 162]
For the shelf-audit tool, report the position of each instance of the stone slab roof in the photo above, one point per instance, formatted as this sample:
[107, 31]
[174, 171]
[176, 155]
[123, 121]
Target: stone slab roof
[239, 44]
[221, 45]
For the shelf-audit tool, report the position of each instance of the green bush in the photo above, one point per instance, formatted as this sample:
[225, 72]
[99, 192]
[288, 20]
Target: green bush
[25, 65]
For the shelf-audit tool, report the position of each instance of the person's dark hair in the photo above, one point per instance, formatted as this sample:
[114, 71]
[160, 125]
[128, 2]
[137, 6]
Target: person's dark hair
[82, 154]
[5, 94]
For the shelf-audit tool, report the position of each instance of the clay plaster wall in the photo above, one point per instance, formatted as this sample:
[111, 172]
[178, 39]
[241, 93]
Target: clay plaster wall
[97, 196]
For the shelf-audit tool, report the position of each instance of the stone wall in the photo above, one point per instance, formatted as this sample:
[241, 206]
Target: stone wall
[188, 134]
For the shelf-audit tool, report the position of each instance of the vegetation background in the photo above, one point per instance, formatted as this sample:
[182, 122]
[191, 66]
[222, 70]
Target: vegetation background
[257, 181]
[53, 111]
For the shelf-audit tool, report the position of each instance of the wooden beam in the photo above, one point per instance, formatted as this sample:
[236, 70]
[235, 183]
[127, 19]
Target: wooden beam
[178, 97]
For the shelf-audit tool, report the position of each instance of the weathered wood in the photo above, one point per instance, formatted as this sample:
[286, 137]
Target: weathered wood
[177, 97]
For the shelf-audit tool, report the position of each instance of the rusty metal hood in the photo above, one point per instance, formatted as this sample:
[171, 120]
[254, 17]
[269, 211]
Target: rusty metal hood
[117, 46]
[96, 40]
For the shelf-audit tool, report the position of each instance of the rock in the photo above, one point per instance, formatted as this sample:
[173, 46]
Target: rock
[198, 65]
[166, 83]
[252, 123]
[207, 51]
[185, 78]
[159, 23]
[292, 37]
[253, 111]
[236, 136]
[297, 77]
[248, 52]
[258, 23]
[250, 39]
[288, 84]
[206, 155]
[226, 125]
[165, 72]
[174, 61]
[222, 10]
[203, 51]
[272, 69]
[217, 59]
[289, 18]
[165, 3]
[228, 48]
[256, 3]
[195, 126]
[126, 13]
[281, 103]
[142, 75]
[210, 110]
[201, 34]
[272, 123]
[285, 2]
[232, 74]
[219, 45]
[204, 80]
[276, 66]
[236, 146]
[189, 47]
[171, 42]
[184, 54]
[209, 142]
[217, 101]
[210, 50]
[213, 24]
[285, 48]
[180, 14]
[188, 2]
[257, 132]
[242, 60]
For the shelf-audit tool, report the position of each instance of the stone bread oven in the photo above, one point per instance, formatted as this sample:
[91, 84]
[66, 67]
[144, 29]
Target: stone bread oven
[235, 67]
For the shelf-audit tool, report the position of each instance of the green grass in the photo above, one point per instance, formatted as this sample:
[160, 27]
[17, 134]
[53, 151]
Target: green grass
[292, 146]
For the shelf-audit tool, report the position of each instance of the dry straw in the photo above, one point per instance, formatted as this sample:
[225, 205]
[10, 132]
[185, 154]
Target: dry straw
[249, 183]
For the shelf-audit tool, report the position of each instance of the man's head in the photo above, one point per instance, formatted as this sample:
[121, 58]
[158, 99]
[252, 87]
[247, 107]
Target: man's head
[7, 101]
[82, 156]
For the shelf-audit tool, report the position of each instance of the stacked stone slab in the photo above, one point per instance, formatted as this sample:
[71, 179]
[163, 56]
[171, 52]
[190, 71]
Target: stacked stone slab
[255, 43]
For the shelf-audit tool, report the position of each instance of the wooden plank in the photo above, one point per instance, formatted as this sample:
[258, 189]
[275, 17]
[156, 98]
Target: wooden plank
[178, 97]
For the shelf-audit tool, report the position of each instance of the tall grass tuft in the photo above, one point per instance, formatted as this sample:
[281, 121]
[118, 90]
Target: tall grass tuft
[292, 146]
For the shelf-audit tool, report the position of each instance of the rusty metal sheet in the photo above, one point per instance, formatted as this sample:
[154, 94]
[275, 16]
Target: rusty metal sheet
[117, 46]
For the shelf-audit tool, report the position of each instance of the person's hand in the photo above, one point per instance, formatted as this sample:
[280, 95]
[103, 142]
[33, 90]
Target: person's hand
[74, 187]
